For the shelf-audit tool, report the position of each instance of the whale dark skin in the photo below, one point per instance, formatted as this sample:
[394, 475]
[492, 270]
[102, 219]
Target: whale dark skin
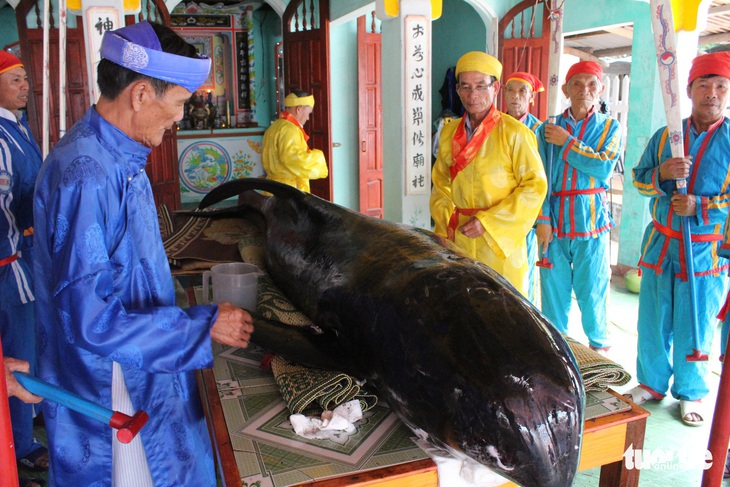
[463, 359]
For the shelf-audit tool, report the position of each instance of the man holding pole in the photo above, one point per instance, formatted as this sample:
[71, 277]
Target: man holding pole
[666, 340]
[580, 151]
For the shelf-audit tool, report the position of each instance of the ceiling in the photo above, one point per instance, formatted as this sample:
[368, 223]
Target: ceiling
[614, 44]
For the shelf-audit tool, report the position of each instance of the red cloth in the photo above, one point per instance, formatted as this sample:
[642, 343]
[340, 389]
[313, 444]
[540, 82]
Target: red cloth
[8, 61]
[528, 78]
[290, 117]
[717, 63]
[585, 67]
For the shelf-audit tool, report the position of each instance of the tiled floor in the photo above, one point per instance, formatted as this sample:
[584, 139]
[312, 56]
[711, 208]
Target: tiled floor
[665, 433]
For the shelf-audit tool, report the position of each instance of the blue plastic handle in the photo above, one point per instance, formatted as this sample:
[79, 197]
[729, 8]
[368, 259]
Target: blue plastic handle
[65, 398]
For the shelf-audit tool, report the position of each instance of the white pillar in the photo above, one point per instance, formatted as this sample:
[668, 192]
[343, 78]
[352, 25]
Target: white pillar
[407, 114]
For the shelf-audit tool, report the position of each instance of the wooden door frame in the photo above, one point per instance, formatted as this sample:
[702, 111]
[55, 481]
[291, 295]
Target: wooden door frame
[539, 109]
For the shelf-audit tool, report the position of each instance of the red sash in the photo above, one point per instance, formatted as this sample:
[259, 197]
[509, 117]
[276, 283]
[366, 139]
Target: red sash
[288, 116]
[462, 153]
[8, 260]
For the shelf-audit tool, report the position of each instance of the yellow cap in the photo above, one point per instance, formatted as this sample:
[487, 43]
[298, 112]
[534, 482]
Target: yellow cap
[479, 61]
[293, 100]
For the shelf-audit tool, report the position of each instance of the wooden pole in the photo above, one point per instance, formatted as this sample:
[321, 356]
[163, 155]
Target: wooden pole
[46, 76]
[61, 68]
[720, 432]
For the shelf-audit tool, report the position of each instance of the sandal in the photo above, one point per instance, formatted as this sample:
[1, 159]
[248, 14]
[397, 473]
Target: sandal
[37, 460]
[31, 482]
[640, 394]
[688, 409]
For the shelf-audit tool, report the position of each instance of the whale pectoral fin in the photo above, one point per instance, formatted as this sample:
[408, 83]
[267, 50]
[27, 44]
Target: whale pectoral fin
[308, 345]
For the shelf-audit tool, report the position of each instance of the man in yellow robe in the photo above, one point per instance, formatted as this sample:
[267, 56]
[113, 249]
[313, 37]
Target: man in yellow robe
[286, 157]
[488, 179]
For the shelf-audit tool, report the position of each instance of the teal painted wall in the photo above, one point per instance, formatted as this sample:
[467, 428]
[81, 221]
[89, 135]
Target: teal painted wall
[9, 32]
[267, 32]
[344, 110]
[340, 8]
[447, 47]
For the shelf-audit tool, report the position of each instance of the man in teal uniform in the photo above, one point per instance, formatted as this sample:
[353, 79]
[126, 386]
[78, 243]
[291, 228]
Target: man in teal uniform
[108, 326]
[665, 324]
[573, 227]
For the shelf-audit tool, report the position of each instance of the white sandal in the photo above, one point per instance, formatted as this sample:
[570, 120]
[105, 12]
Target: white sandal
[691, 407]
[639, 395]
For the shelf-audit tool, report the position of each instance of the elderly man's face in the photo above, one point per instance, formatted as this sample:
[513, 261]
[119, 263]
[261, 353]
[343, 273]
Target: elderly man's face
[303, 113]
[477, 92]
[14, 89]
[517, 96]
[159, 114]
[583, 90]
[709, 97]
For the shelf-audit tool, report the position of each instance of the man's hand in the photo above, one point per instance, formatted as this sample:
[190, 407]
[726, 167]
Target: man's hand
[473, 228]
[233, 327]
[544, 234]
[684, 204]
[14, 388]
[555, 134]
[674, 168]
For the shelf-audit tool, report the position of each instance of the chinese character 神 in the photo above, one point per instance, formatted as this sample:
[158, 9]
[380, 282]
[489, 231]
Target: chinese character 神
[104, 25]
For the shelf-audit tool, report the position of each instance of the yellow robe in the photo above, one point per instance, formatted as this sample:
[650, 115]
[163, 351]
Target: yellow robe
[287, 158]
[507, 178]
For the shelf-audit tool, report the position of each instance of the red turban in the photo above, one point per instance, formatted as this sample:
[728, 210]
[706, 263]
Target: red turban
[8, 61]
[717, 63]
[585, 67]
[531, 80]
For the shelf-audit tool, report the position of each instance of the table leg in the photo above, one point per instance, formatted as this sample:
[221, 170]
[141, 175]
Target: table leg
[616, 474]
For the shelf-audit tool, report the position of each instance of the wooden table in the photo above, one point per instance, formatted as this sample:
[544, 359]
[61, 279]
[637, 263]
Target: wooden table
[605, 440]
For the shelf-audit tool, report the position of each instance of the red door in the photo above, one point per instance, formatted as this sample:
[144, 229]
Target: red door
[306, 67]
[370, 118]
[522, 51]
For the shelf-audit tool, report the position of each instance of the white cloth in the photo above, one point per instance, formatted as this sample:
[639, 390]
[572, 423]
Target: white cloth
[129, 461]
[460, 472]
[330, 424]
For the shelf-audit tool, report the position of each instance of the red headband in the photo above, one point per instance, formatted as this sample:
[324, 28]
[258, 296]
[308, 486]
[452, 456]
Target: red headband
[585, 67]
[717, 63]
[531, 80]
[8, 61]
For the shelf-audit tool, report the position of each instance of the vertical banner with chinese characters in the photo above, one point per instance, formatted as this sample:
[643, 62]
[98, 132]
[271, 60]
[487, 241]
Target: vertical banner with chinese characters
[417, 131]
[99, 17]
